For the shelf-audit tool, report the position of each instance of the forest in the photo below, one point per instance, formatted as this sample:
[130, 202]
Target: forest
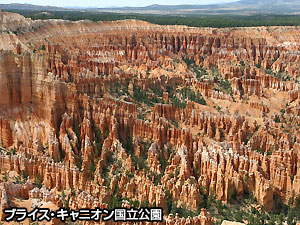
[217, 21]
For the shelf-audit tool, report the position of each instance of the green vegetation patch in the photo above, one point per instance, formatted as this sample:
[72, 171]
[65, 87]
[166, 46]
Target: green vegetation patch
[217, 21]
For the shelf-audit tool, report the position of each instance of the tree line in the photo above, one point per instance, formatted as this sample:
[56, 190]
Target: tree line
[217, 21]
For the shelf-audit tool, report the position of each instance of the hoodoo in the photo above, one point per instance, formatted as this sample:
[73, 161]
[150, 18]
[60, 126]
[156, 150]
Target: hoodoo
[128, 113]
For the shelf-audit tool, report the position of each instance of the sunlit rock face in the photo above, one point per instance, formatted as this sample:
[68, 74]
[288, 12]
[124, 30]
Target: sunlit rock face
[149, 113]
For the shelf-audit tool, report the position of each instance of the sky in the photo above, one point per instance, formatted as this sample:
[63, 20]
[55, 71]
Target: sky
[105, 3]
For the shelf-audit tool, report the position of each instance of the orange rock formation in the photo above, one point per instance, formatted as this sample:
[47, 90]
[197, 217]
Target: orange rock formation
[72, 115]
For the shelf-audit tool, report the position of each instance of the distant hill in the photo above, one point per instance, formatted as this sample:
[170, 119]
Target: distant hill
[242, 7]
[30, 7]
[238, 7]
[252, 2]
